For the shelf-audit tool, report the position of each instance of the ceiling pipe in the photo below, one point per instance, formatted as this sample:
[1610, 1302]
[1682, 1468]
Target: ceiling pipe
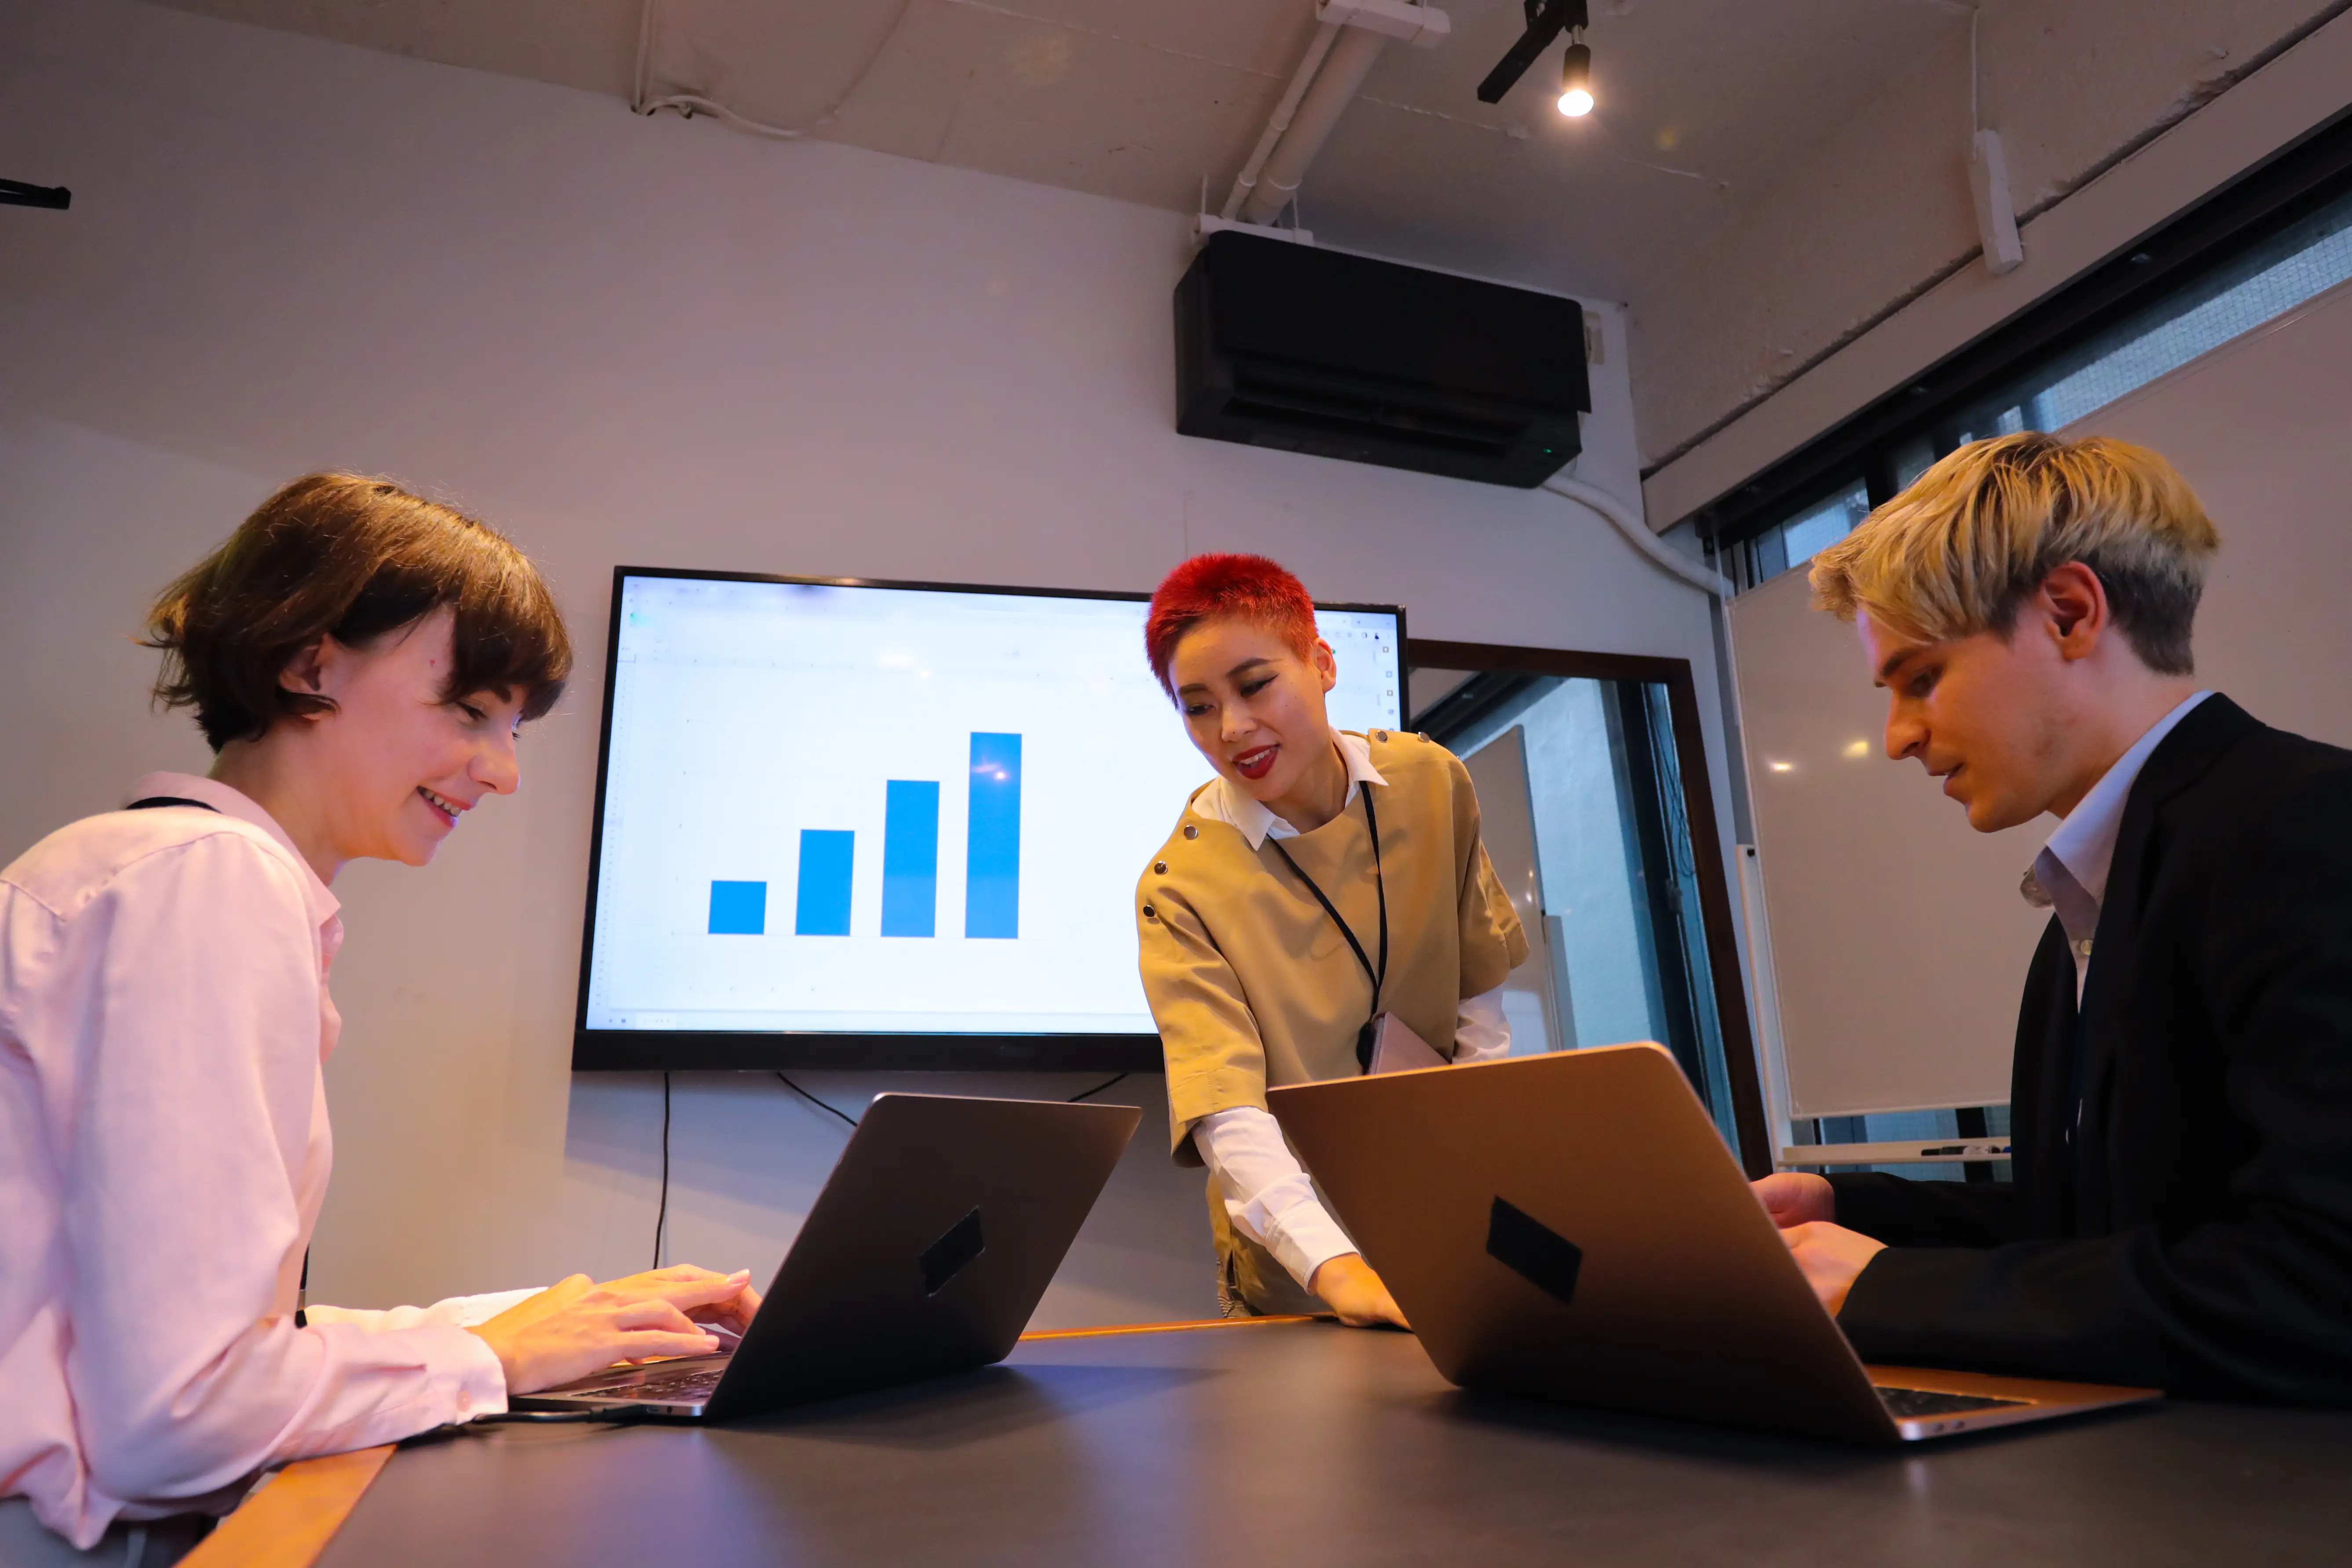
[1636, 532]
[1280, 121]
[1350, 60]
[1346, 43]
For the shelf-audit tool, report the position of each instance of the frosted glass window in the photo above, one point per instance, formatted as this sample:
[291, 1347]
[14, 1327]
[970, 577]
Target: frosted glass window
[1807, 536]
[2268, 281]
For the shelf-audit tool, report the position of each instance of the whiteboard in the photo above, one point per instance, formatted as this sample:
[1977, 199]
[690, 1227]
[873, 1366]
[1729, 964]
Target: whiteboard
[1899, 942]
[1507, 826]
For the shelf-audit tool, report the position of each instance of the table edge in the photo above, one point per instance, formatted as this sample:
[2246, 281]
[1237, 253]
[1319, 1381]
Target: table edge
[287, 1522]
[1190, 1325]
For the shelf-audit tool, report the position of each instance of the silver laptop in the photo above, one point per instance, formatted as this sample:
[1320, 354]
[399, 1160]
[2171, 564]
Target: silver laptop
[925, 1255]
[1572, 1228]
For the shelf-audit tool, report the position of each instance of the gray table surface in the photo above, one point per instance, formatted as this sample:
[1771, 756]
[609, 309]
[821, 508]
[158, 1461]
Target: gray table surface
[1307, 1444]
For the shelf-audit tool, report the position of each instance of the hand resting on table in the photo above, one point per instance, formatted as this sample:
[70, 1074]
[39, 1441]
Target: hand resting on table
[1350, 1288]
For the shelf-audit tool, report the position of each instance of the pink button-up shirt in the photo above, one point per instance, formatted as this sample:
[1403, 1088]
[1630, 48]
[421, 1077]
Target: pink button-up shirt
[164, 1153]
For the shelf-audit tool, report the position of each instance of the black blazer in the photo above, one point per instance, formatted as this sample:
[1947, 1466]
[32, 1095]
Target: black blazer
[2199, 1238]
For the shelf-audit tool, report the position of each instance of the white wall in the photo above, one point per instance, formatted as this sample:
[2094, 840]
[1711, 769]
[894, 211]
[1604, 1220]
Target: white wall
[1881, 209]
[656, 342]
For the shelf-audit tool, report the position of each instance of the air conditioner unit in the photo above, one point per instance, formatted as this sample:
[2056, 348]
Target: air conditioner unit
[1343, 356]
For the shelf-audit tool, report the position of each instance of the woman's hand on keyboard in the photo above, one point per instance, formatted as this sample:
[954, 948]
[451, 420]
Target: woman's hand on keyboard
[689, 1288]
[578, 1326]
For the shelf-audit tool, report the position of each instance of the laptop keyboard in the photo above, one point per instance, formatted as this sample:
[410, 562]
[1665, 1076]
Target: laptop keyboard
[1910, 1403]
[678, 1388]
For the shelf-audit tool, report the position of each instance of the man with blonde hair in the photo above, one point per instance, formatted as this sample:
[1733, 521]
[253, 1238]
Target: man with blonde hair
[2181, 1103]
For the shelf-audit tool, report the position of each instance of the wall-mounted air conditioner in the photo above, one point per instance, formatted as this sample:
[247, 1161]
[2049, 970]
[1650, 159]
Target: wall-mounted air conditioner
[1343, 356]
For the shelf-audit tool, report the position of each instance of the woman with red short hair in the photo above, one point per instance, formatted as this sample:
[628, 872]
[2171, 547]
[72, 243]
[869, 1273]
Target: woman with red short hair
[1321, 879]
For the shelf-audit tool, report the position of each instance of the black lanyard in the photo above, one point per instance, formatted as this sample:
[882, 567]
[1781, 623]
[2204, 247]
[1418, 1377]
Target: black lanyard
[1378, 977]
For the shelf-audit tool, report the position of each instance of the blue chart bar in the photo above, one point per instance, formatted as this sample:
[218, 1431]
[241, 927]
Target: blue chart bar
[992, 900]
[823, 909]
[739, 909]
[910, 858]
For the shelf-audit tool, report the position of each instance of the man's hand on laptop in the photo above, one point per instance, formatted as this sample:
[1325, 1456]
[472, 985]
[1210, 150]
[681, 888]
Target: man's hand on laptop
[1803, 1207]
[1795, 1197]
[1832, 1256]
[1350, 1288]
[578, 1326]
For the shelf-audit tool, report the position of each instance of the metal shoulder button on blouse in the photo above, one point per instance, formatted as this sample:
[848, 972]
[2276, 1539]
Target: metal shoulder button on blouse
[1160, 867]
[1382, 736]
[1149, 913]
[1192, 830]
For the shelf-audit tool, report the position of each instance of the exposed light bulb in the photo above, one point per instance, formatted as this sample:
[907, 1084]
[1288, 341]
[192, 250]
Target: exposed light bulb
[1576, 82]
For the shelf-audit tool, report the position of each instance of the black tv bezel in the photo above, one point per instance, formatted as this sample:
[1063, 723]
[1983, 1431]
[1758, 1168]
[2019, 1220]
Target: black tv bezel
[765, 1050]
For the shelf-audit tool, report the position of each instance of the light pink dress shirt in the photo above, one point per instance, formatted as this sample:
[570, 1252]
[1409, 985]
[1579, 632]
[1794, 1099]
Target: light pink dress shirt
[164, 1153]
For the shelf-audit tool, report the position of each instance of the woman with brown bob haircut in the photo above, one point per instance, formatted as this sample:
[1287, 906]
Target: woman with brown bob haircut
[360, 661]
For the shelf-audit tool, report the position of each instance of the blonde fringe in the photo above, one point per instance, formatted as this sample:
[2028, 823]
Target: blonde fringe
[1957, 552]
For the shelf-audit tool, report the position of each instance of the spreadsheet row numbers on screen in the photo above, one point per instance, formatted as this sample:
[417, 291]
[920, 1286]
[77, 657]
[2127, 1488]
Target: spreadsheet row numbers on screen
[910, 861]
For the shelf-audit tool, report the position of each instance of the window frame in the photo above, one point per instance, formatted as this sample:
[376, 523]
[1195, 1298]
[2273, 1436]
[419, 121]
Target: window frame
[2258, 204]
[1755, 1147]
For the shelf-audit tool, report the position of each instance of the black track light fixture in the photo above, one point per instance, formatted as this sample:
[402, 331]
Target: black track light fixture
[1547, 20]
[17, 193]
[1576, 79]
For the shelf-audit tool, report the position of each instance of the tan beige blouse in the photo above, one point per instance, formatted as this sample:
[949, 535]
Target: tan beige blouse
[1250, 983]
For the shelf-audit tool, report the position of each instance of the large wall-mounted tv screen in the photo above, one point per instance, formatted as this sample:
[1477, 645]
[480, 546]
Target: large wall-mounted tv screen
[852, 824]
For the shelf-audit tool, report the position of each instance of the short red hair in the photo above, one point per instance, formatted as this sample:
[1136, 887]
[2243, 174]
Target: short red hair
[1209, 588]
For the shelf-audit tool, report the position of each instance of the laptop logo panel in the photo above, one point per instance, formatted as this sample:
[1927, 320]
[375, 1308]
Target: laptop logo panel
[946, 1258]
[1533, 1250]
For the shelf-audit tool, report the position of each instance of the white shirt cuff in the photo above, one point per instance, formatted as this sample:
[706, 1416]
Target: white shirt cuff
[477, 1382]
[457, 1313]
[1481, 1032]
[1267, 1194]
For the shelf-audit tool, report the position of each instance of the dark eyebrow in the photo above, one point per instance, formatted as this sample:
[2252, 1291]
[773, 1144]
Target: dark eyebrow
[1233, 674]
[1894, 662]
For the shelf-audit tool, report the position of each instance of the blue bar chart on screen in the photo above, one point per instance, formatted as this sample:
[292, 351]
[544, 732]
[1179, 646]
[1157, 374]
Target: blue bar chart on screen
[835, 809]
[992, 901]
[826, 857]
[910, 858]
[739, 909]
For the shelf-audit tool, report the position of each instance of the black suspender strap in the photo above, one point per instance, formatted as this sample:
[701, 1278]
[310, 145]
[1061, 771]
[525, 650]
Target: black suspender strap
[1380, 976]
[152, 801]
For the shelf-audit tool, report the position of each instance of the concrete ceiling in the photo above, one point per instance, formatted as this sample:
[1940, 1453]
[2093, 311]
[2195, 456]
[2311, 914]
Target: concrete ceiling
[1704, 104]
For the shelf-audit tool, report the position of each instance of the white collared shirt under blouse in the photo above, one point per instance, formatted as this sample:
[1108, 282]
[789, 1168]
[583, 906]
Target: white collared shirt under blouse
[2070, 876]
[1268, 1195]
[164, 1153]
